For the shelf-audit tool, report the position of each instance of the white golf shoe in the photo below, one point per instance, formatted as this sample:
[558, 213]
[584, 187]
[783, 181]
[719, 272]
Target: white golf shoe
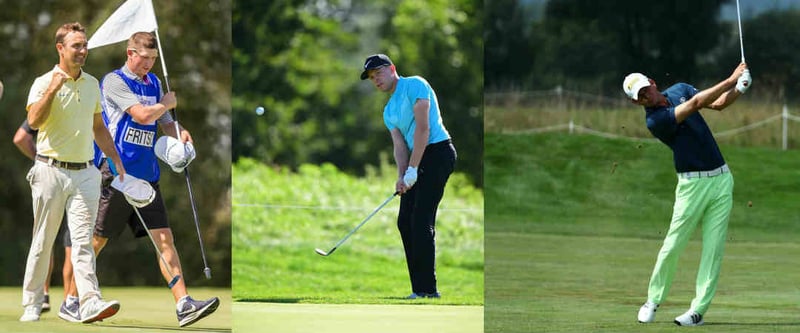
[98, 309]
[32, 313]
[647, 313]
[690, 318]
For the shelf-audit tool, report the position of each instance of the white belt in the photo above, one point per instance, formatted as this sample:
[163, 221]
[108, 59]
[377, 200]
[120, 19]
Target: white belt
[701, 174]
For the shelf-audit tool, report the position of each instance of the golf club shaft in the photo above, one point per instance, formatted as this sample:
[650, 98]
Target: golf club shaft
[173, 278]
[385, 202]
[739, 19]
[206, 269]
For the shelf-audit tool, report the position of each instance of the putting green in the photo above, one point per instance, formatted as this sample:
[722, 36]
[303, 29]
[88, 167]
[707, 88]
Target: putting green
[143, 309]
[356, 318]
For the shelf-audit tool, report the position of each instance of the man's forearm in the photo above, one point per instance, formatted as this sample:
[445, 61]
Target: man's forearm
[702, 99]
[401, 158]
[40, 110]
[103, 139]
[726, 99]
[708, 96]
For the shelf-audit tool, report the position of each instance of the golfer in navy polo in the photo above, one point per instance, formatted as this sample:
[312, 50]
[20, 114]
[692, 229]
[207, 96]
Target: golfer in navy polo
[704, 193]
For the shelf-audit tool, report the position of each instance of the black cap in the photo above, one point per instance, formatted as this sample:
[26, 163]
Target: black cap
[374, 61]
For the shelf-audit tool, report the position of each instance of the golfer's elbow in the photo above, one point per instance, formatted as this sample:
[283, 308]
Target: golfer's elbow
[34, 118]
[19, 138]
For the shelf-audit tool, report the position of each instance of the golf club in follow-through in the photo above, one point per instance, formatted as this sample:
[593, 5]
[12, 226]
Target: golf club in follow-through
[739, 20]
[385, 202]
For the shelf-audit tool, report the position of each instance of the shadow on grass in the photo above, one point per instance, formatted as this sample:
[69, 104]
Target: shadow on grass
[274, 300]
[171, 328]
[403, 298]
[751, 324]
[318, 300]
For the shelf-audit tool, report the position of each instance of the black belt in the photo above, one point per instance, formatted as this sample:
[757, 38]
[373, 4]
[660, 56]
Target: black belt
[63, 165]
[443, 143]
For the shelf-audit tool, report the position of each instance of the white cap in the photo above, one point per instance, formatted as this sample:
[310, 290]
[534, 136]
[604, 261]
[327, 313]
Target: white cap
[137, 192]
[633, 83]
[174, 152]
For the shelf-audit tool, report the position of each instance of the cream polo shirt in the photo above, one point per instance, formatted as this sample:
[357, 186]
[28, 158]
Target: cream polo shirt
[66, 134]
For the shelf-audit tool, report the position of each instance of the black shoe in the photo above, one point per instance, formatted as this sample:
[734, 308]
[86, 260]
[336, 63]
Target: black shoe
[46, 304]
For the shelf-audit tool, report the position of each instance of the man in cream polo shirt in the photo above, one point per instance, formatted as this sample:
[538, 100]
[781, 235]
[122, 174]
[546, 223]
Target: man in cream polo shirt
[64, 105]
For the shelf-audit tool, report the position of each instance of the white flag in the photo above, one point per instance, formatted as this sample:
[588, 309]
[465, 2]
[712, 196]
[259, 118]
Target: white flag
[133, 16]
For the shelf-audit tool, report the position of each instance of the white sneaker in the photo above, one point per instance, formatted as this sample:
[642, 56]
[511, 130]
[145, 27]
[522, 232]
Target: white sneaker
[690, 318]
[31, 313]
[98, 309]
[647, 313]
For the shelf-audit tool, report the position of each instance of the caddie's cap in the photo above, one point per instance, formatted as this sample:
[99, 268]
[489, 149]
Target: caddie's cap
[633, 83]
[375, 61]
[137, 192]
[174, 152]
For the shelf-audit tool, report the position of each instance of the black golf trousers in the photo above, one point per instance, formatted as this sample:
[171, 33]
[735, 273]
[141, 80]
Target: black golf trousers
[417, 218]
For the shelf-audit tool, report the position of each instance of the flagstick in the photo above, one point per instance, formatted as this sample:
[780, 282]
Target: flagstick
[206, 270]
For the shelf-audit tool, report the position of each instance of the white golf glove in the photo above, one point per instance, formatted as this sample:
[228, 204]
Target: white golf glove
[410, 177]
[744, 82]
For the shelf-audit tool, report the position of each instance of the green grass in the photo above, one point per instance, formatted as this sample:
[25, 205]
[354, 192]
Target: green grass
[557, 283]
[575, 223]
[356, 318]
[143, 309]
[281, 217]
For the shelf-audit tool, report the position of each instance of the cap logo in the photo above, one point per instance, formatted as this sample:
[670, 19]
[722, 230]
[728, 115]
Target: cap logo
[367, 64]
[632, 82]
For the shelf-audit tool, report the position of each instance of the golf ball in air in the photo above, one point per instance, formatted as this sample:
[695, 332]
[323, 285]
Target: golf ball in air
[260, 110]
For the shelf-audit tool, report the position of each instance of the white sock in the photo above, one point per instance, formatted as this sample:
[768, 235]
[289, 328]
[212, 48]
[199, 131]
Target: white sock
[179, 305]
[72, 299]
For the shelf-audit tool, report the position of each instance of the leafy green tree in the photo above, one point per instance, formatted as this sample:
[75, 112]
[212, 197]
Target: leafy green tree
[589, 45]
[442, 41]
[771, 52]
[301, 62]
[510, 43]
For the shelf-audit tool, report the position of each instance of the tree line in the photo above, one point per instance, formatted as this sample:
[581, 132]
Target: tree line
[590, 46]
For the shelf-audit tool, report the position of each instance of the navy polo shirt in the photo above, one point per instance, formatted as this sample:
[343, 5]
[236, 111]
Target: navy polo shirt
[693, 146]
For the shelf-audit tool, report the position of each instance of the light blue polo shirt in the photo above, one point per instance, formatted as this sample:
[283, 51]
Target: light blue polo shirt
[399, 110]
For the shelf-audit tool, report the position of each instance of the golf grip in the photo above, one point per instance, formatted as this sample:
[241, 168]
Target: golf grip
[739, 19]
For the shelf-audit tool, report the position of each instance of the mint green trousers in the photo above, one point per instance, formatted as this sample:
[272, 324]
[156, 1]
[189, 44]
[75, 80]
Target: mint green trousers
[697, 200]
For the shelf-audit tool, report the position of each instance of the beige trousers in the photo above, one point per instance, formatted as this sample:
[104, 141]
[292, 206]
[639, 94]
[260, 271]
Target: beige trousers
[55, 190]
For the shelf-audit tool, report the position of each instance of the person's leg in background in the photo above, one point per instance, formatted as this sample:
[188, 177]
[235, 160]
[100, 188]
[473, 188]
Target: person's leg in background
[70, 307]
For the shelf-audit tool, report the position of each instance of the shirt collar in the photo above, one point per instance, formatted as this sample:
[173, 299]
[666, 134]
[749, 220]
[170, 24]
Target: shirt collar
[58, 69]
[133, 76]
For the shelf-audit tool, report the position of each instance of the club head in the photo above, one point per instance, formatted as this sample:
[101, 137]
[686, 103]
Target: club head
[207, 271]
[323, 253]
